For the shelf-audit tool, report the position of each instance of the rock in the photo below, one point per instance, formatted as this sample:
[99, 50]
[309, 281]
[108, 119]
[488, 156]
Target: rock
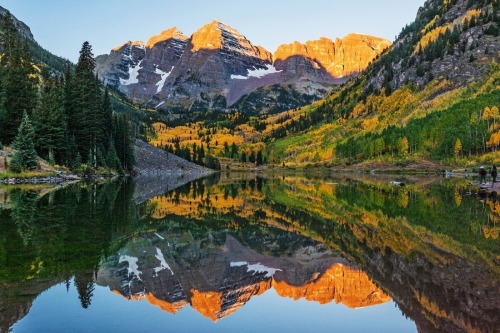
[153, 161]
[217, 65]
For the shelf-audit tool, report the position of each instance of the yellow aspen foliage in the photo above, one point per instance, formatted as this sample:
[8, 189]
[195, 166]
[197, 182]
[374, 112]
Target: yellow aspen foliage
[494, 140]
[458, 198]
[486, 113]
[458, 147]
[404, 145]
[403, 199]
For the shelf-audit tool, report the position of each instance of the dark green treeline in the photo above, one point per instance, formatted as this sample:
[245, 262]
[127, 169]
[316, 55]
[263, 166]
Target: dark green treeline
[72, 115]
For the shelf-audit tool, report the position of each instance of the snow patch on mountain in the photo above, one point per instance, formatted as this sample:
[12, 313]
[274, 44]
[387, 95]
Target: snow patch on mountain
[133, 268]
[258, 73]
[133, 75]
[256, 268]
[164, 76]
[163, 263]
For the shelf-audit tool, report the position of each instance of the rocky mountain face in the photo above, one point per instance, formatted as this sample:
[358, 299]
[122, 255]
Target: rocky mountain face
[216, 275]
[20, 25]
[455, 39]
[217, 66]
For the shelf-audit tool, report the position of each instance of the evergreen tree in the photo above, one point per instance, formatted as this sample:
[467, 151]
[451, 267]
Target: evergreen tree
[251, 158]
[87, 121]
[234, 150]
[18, 92]
[25, 157]
[258, 159]
[124, 141]
[49, 121]
[112, 160]
[107, 112]
[243, 157]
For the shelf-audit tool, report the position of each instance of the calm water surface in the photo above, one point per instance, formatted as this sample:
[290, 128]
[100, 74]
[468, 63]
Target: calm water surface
[246, 252]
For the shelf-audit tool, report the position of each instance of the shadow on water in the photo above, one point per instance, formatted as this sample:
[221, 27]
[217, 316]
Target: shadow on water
[214, 243]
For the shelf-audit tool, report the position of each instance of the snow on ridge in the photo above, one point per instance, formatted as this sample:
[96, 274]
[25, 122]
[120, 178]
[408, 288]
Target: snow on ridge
[160, 104]
[133, 268]
[258, 73]
[133, 75]
[163, 263]
[256, 268]
[164, 76]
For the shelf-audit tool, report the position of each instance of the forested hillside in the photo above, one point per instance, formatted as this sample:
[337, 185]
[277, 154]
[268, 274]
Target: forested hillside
[434, 95]
[67, 119]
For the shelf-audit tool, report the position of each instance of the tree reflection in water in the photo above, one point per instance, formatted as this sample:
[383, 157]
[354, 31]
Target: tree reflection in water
[430, 246]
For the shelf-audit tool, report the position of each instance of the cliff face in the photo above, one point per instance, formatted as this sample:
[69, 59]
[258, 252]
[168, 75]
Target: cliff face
[20, 25]
[217, 65]
[456, 40]
[229, 274]
[339, 58]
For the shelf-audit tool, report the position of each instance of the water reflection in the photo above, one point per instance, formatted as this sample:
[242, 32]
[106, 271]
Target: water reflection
[214, 243]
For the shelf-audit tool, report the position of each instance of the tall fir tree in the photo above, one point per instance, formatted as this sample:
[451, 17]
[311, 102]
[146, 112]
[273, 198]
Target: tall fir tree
[18, 80]
[24, 157]
[86, 115]
[124, 141]
[50, 122]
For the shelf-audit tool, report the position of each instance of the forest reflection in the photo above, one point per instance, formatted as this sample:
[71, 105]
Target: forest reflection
[214, 243]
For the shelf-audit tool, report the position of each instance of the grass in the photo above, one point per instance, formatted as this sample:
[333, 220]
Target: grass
[26, 174]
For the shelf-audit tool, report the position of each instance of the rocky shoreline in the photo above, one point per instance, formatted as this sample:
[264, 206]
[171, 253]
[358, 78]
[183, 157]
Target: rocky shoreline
[40, 180]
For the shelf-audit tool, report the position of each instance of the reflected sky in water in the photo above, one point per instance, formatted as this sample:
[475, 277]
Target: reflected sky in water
[250, 253]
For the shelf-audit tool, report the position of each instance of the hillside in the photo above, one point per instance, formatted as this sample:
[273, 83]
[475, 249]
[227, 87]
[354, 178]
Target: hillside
[41, 56]
[154, 161]
[434, 95]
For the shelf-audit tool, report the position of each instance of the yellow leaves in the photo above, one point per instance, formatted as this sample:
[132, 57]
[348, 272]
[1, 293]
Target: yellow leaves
[491, 231]
[458, 198]
[494, 140]
[404, 145]
[430, 37]
[457, 148]
[433, 34]
[429, 25]
[369, 123]
[470, 14]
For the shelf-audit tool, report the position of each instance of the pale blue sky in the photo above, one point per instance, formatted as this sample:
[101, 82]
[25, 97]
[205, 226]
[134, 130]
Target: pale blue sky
[61, 26]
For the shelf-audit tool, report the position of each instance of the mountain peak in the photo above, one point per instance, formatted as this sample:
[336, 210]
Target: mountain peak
[217, 35]
[172, 33]
[129, 43]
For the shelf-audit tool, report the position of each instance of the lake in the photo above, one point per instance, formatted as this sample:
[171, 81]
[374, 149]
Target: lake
[250, 253]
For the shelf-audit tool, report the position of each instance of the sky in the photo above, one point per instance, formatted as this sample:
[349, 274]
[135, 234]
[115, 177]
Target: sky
[61, 26]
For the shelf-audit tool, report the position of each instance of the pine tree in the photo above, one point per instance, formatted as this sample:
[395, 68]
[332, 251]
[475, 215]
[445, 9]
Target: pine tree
[25, 157]
[112, 160]
[124, 142]
[251, 158]
[107, 112]
[234, 150]
[18, 92]
[49, 121]
[243, 157]
[87, 121]
[258, 159]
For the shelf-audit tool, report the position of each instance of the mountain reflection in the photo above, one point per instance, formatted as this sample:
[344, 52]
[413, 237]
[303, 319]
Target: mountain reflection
[216, 274]
[216, 242]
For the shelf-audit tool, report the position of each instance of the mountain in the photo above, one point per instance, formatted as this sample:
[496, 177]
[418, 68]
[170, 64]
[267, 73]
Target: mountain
[23, 29]
[215, 67]
[216, 274]
[433, 96]
[40, 55]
